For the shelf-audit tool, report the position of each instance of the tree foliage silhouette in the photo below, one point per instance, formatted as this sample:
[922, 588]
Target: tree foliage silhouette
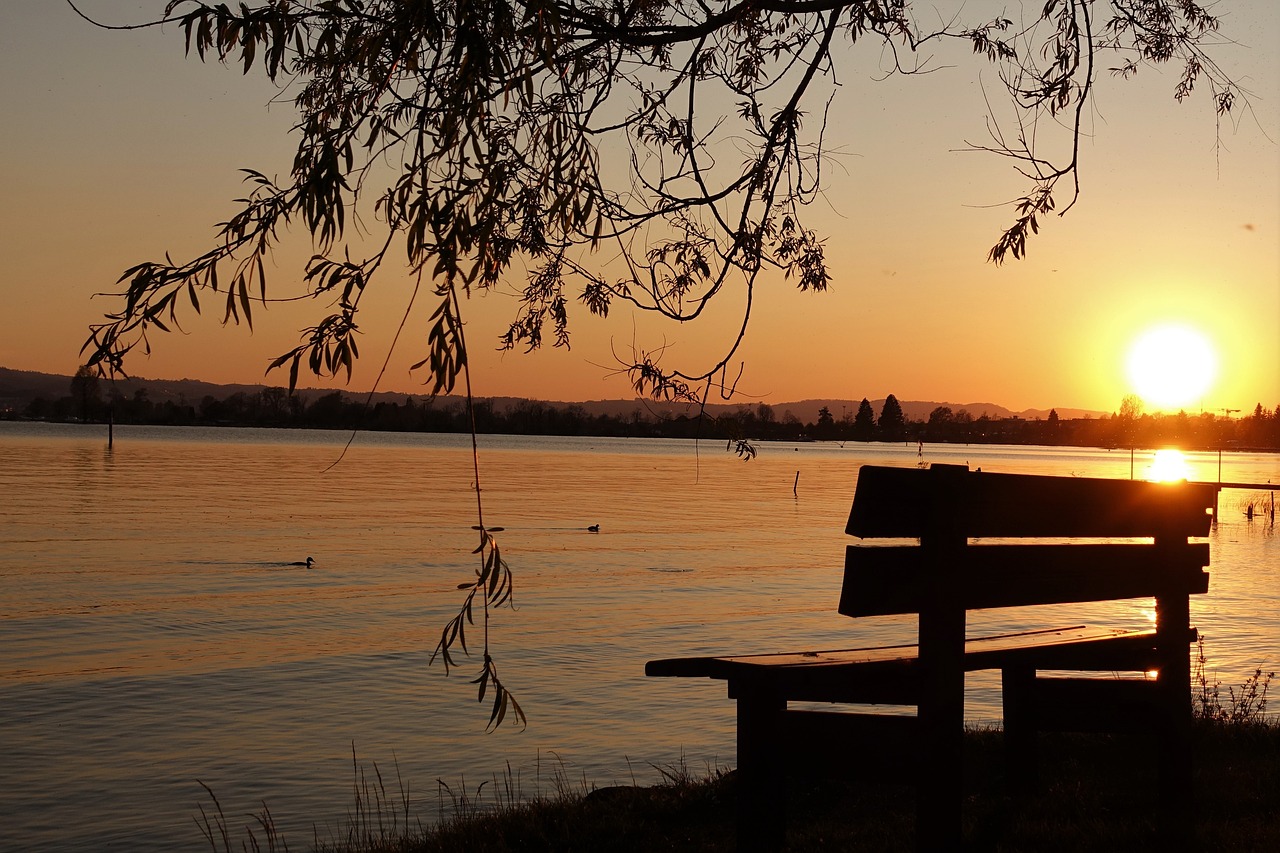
[864, 422]
[649, 152]
[892, 423]
[85, 391]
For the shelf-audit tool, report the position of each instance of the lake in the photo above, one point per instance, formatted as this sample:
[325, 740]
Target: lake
[153, 632]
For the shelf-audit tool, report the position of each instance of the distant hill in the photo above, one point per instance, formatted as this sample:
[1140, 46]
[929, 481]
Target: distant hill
[19, 387]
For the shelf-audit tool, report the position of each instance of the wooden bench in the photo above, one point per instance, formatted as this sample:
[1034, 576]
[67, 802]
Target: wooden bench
[1039, 558]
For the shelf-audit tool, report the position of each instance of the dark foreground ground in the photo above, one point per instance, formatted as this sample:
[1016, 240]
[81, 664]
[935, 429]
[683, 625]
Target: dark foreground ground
[1096, 795]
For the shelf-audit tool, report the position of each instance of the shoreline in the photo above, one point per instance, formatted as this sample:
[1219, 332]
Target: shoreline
[1097, 793]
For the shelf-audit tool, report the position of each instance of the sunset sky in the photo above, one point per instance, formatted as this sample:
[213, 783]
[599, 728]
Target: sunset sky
[115, 149]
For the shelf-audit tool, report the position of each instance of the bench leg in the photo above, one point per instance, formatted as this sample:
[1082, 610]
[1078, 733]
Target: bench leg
[1176, 766]
[762, 784]
[1176, 771]
[940, 789]
[1021, 760]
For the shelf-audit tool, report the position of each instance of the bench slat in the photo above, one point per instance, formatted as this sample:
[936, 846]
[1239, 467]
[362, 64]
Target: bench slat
[884, 745]
[906, 502]
[890, 675]
[1094, 704]
[881, 581]
[980, 653]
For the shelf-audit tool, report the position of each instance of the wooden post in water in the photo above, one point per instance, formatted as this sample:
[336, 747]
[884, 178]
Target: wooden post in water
[1219, 489]
[111, 423]
[796, 485]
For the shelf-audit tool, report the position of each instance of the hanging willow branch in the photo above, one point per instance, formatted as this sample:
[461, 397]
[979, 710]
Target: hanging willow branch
[493, 582]
[657, 153]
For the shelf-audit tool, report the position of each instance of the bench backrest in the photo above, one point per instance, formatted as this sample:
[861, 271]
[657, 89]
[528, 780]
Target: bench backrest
[946, 506]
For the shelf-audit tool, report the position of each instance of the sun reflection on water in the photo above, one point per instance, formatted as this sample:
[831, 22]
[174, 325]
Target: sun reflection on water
[1168, 466]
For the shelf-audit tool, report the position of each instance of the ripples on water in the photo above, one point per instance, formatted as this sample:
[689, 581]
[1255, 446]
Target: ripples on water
[153, 633]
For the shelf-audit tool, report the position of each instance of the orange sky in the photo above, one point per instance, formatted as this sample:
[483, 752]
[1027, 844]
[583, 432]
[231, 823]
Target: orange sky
[114, 149]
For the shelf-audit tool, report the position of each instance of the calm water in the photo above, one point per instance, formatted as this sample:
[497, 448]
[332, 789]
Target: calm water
[152, 633]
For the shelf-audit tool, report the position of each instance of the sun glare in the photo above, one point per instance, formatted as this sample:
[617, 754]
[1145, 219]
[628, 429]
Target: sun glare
[1168, 466]
[1171, 366]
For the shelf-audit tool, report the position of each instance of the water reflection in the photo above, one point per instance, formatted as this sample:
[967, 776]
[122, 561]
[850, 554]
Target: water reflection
[1168, 466]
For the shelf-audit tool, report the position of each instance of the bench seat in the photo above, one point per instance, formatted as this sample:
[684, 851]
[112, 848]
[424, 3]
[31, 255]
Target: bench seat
[1112, 648]
[887, 674]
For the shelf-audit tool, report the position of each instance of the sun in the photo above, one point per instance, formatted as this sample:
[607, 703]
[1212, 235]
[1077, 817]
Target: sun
[1171, 366]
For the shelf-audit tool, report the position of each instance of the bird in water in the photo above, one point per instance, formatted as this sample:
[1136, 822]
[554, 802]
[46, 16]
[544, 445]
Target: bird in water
[595, 528]
[308, 562]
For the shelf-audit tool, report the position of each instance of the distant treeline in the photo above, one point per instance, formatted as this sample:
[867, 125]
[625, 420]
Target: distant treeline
[276, 407]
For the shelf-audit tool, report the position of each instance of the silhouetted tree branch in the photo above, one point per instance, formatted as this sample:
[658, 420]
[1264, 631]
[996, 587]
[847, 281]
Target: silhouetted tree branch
[650, 151]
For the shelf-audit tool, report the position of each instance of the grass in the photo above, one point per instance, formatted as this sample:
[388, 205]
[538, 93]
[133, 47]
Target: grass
[1097, 794]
